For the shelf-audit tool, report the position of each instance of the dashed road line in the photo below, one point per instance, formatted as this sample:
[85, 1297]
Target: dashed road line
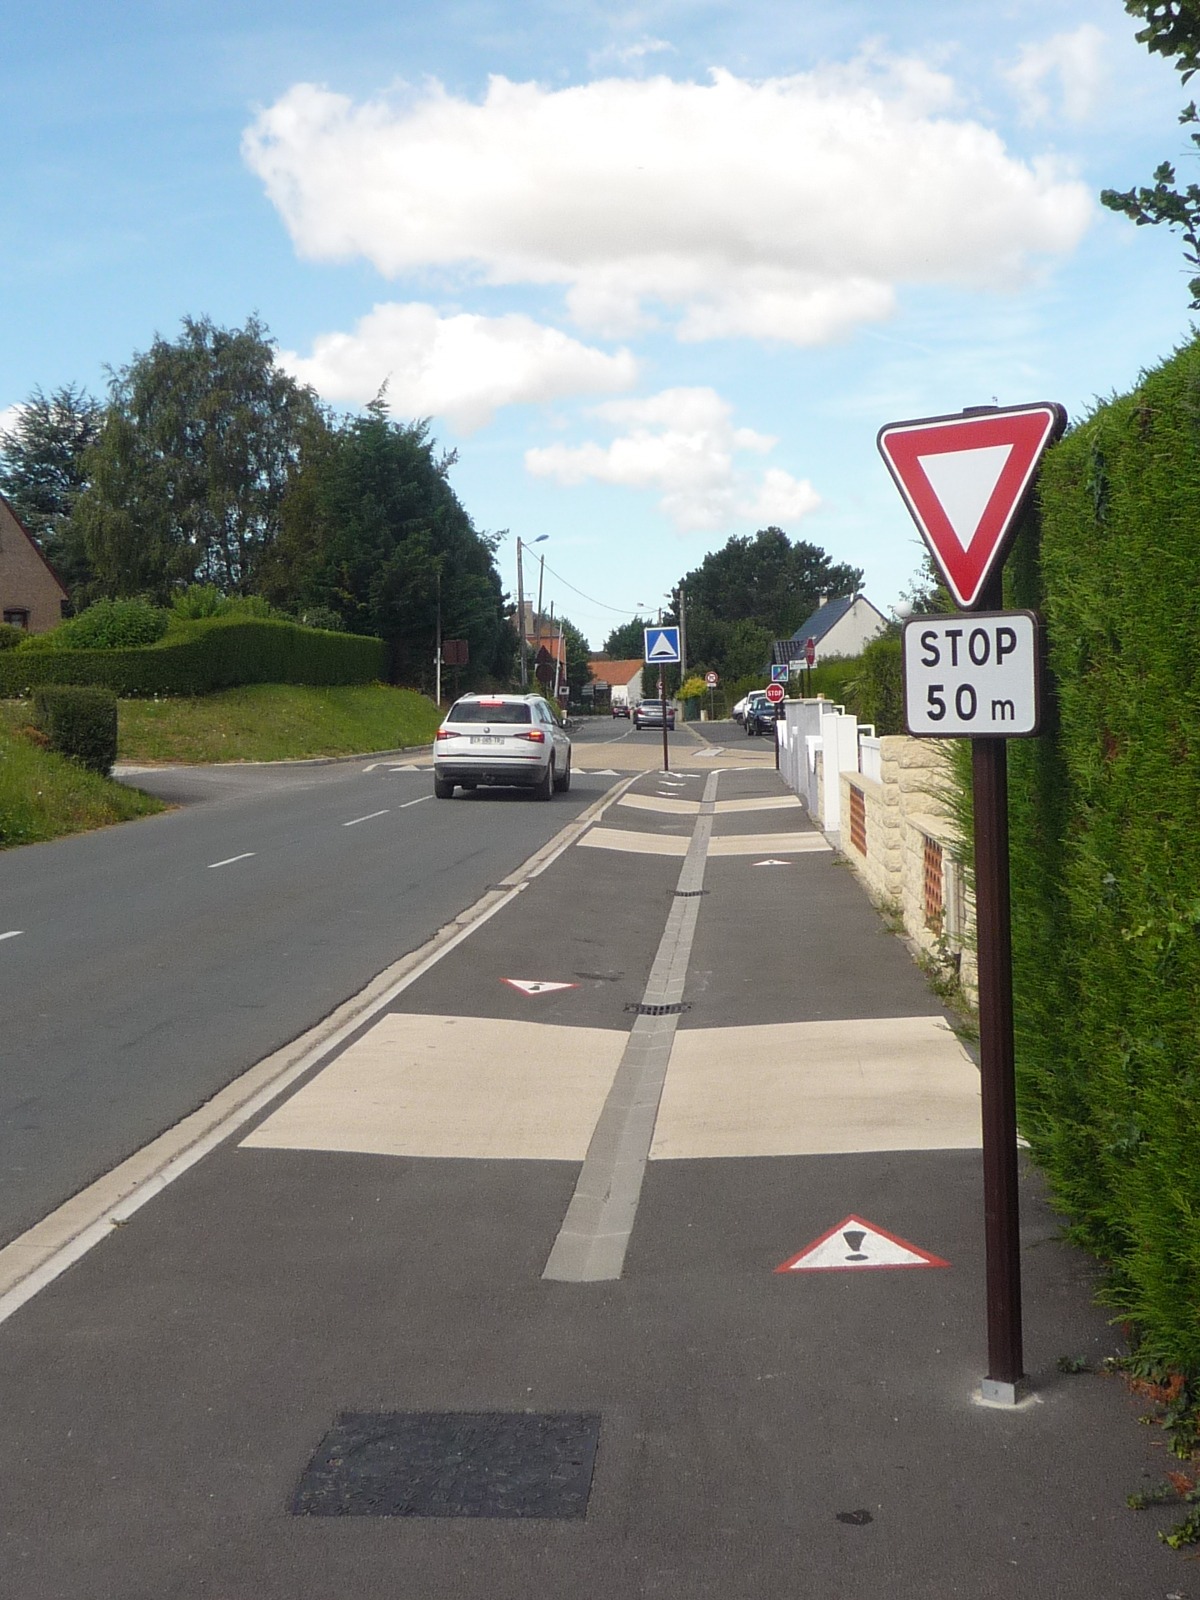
[370, 816]
[415, 802]
[15, 933]
[229, 860]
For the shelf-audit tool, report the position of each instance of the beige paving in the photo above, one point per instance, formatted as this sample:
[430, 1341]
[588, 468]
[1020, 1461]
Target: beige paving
[665, 803]
[641, 844]
[464, 1087]
[818, 1088]
[763, 844]
[765, 802]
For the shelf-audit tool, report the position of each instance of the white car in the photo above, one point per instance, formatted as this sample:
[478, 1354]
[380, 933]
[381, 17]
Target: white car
[501, 739]
[743, 705]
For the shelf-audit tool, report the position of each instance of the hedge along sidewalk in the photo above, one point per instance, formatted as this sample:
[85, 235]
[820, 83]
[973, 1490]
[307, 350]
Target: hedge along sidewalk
[196, 657]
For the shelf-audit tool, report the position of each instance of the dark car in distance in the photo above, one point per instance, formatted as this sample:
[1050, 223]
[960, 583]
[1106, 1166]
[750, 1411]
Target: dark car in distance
[761, 717]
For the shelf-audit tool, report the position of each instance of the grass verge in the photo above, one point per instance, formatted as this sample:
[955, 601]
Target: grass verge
[44, 795]
[276, 722]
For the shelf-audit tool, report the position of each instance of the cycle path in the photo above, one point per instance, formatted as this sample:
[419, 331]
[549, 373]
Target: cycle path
[499, 1282]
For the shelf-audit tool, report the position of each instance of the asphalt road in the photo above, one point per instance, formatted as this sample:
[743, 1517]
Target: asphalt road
[143, 967]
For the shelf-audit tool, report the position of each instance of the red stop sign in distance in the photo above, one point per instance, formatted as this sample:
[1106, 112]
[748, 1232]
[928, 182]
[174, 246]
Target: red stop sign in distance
[775, 693]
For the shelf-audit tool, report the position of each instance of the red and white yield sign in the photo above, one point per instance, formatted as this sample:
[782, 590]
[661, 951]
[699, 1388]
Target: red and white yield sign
[965, 478]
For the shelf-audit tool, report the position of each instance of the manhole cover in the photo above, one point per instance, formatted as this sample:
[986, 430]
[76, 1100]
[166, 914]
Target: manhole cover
[452, 1464]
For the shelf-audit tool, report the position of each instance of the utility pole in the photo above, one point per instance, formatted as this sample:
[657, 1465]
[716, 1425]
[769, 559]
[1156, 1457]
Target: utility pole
[438, 651]
[521, 619]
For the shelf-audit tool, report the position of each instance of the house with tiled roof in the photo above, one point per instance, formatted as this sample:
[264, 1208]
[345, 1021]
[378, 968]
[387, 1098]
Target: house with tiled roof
[31, 597]
[616, 682]
[838, 627]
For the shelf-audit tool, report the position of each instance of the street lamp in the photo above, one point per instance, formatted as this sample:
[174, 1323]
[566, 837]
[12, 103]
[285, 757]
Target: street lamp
[541, 538]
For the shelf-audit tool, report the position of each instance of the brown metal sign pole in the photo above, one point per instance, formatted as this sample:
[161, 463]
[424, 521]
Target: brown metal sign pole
[989, 763]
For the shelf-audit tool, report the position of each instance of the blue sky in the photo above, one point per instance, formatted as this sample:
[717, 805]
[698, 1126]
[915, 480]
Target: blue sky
[657, 272]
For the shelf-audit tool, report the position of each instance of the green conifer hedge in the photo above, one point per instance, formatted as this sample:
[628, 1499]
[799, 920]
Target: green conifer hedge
[1105, 812]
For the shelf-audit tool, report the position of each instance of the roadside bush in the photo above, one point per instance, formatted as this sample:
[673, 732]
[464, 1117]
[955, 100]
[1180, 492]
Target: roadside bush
[10, 637]
[876, 691]
[80, 722]
[106, 625]
[201, 600]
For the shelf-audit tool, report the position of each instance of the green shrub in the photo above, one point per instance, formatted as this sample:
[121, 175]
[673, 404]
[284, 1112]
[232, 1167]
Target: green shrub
[201, 600]
[196, 657]
[80, 722]
[10, 637]
[875, 693]
[108, 625]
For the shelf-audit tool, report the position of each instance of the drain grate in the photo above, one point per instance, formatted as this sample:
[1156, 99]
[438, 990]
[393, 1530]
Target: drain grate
[672, 1010]
[452, 1464]
[689, 894]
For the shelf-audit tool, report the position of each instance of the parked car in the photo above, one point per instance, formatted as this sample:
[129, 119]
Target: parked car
[501, 739]
[620, 708]
[650, 715]
[762, 717]
[755, 697]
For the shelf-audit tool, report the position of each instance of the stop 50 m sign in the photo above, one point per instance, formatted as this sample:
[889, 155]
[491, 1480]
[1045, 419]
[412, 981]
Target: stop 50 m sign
[972, 675]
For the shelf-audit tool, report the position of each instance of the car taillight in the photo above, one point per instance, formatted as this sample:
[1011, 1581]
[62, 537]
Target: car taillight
[535, 736]
[446, 733]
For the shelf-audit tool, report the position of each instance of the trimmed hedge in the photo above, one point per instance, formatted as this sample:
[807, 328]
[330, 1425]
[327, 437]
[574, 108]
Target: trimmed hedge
[1106, 850]
[80, 722]
[197, 657]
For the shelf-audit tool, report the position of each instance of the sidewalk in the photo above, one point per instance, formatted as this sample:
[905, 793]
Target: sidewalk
[508, 1262]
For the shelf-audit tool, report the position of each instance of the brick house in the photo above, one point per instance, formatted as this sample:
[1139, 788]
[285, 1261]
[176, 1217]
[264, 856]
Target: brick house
[31, 597]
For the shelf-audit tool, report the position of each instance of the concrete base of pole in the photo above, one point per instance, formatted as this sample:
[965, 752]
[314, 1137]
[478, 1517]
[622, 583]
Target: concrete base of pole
[1004, 1396]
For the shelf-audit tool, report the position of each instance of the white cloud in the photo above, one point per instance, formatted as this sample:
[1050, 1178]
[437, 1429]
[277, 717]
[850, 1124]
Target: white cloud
[1076, 59]
[9, 417]
[459, 367]
[788, 209]
[683, 444]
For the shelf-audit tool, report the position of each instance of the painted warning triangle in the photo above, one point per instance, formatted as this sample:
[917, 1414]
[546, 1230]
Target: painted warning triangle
[965, 479]
[854, 1243]
[772, 862]
[536, 985]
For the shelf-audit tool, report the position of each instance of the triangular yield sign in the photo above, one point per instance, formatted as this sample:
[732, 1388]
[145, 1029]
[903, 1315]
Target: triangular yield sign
[772, 862]
[536, 985]
[964, 479]
[854, 1243]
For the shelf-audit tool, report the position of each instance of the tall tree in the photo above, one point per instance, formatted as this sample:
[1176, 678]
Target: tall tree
[374, 531]
[768, 580]
[42, 474]
[1172, 30]
[627, 642]
[199, 443]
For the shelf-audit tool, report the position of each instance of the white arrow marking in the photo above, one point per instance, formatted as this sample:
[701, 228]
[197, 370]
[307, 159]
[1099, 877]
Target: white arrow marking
[964, 481]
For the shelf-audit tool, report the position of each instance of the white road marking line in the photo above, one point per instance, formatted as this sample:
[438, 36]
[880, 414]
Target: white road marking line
[15, 934]
[369, 816]
[416, 802]
[229, 860]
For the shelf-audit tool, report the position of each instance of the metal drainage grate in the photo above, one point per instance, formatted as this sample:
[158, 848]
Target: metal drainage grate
[452, 1464]
[689, 894]
[672, 1010]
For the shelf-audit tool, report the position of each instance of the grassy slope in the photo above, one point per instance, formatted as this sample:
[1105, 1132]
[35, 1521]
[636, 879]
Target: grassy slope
[276, 722]
[42, 795]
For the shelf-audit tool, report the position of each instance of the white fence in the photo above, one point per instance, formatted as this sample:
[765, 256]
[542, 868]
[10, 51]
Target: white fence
[881, 802]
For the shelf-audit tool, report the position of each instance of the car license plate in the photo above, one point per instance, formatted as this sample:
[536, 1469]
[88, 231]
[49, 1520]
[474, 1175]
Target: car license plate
[487, 738]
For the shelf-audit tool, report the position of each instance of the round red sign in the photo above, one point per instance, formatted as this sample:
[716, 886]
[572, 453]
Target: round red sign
[775, 693]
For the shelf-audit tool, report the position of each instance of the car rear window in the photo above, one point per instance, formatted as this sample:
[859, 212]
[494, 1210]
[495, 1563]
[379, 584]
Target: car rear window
[490, 711]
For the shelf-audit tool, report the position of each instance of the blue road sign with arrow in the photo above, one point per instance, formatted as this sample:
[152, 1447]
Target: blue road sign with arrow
[662, 644]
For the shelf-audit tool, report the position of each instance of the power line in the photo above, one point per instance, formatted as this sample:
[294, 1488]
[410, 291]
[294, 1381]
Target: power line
[629, 611]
